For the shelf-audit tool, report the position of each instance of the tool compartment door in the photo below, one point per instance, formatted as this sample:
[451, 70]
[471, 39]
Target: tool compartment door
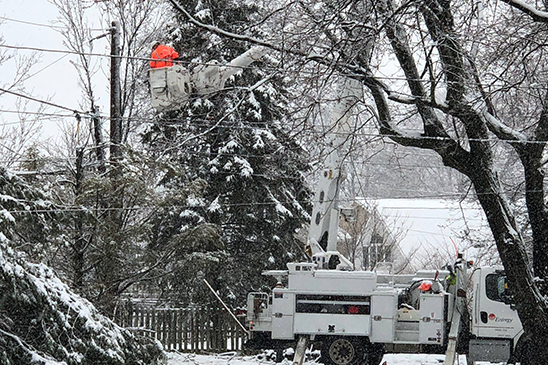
[432, 321]
[383, 317]
[283, 308]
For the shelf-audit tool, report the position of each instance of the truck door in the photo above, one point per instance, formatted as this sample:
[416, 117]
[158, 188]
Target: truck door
[491, 316]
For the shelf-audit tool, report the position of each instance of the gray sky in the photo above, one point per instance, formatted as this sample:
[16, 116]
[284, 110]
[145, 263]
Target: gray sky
[55, 77]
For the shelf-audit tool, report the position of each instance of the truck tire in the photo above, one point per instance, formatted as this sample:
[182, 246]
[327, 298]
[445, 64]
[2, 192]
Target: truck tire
[342, 351]
[374, 354]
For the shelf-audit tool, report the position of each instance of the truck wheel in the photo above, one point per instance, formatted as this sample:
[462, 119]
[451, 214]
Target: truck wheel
[342, 351]
[374, 354]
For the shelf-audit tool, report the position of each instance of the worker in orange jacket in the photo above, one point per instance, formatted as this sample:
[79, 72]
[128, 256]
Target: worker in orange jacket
[164, 54]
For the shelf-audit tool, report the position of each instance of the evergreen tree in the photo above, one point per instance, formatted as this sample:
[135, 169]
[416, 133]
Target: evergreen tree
[235, 185]
[41, 319]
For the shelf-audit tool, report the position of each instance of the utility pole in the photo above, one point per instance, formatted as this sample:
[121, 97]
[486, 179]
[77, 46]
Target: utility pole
[98, 137]
[79, 244]
[115, 98]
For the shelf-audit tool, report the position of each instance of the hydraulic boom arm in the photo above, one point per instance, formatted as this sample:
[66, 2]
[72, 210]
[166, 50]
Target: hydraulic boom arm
[322, 236]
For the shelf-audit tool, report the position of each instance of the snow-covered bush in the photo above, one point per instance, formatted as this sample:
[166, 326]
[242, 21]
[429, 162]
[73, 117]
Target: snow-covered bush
[43, 322]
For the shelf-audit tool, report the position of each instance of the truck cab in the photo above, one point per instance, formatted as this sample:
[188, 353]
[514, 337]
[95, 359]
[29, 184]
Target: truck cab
[495, 325]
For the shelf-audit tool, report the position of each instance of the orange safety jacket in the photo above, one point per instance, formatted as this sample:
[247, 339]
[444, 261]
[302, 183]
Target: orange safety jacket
[165, 55]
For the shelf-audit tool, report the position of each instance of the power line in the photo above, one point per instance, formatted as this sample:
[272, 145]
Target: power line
[51, 26]
[311, 73]
[42, 101]
[251, 127]
[32, 23]
[45, 114]
[226, 205]
[45, 67]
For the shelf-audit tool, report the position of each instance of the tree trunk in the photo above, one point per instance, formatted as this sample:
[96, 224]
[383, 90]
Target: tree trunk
[531, 158]
[531, 306]
[78, 248]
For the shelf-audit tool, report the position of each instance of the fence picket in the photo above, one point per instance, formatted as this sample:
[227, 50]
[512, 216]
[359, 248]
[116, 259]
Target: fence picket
[188, 329]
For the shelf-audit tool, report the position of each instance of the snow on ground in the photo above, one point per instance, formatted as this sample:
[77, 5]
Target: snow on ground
[231, 358]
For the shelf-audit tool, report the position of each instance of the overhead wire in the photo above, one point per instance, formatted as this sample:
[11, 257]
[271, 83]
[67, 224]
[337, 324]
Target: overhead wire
[35, 113]
[69, 209]
[51, 26]
[76, 111]
[313, 73]
[162, 122]
[44, 68]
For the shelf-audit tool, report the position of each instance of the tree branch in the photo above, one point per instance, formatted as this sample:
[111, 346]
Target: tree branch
[501, 130]
[225, 33]
[537, 15]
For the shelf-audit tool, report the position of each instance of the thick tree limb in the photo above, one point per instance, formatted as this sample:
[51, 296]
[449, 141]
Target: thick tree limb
[451, 152]
[537, 15]
[501, 130]
[439, 21]
[399, 41]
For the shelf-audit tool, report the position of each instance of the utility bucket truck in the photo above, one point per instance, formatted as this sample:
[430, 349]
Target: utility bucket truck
[355, 317]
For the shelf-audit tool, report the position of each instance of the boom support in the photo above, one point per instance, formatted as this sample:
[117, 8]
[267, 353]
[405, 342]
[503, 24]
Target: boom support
[322, 236]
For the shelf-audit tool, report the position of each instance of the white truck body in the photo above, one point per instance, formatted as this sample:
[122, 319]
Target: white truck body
[387, 310]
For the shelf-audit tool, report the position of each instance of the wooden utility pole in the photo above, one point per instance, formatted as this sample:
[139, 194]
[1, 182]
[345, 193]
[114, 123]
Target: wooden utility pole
[115, 98]
[98, 137]
[79, 244]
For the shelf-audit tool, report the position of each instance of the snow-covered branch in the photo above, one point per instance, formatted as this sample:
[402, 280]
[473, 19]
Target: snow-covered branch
[537, 15]
[501, 130]
[225, 33]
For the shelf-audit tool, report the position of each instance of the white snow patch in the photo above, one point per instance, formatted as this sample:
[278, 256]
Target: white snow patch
[6, 198]
[5, 215]
[203, 14]
[214, 206]
[283, 210]
[229, 147]
[246, 169]
[193, 201]
[187, 213]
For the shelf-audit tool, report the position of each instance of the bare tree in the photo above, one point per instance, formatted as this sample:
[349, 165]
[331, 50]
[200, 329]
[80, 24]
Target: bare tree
[19, 128]
[367, 239]
[106, 236]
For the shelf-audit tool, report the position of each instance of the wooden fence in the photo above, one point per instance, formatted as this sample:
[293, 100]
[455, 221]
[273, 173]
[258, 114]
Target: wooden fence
[189, 329]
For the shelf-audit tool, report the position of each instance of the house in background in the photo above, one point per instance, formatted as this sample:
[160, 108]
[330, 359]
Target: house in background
[436, 228]
[366, 239]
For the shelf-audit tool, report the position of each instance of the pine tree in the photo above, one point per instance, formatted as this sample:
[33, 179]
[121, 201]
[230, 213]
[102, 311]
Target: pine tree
[235, 184]
[41, 319]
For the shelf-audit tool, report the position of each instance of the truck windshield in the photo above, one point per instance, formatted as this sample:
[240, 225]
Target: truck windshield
[495, 287]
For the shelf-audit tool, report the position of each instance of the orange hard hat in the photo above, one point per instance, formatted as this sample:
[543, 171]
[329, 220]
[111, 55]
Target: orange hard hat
[425, 285]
